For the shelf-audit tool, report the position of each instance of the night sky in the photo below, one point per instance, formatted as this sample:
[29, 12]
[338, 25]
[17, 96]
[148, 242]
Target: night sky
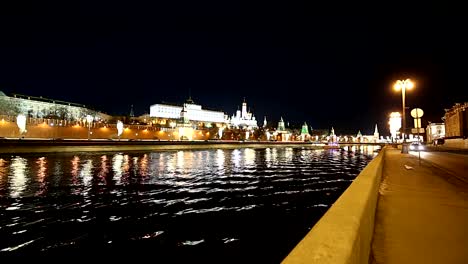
[325, 65]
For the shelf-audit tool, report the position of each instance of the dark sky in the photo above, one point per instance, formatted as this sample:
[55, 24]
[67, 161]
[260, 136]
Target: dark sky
[327, 65]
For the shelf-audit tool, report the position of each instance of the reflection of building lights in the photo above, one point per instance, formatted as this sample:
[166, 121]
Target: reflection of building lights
[18, 179]
[117, 162]
[249, 157]
[236, 157]
[220, 159]
[86, 173]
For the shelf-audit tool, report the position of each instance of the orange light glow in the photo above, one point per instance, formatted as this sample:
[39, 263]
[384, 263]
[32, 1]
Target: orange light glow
[405, 84]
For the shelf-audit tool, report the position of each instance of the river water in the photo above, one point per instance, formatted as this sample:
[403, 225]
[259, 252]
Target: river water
[221, 205]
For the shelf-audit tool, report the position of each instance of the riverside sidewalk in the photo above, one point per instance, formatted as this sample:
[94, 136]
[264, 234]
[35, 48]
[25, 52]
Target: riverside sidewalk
[422, 214]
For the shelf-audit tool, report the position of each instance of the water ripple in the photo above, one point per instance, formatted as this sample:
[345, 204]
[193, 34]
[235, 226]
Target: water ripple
[204, 198]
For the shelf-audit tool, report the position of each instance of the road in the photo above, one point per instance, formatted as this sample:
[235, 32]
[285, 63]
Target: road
[455, 164]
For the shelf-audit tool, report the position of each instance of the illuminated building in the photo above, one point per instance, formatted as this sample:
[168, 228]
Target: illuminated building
[456, 121]
[305, 132]
[359, 136]
[184, 126]
[39, 107]
[435, 131]
[244, 118]
[281, 133]
[165, 113]
[376, 134]
[332, 137]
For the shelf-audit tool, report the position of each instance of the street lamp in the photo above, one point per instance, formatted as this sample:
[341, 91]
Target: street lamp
[89, 119]
[403, 85]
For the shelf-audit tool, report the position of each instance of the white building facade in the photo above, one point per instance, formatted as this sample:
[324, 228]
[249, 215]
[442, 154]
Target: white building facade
[244, 118]
[195, 112]
[435, 131]
[39, 107]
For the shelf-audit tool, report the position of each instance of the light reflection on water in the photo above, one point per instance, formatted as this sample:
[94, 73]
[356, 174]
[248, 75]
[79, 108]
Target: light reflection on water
[18, 180]
[229, 199]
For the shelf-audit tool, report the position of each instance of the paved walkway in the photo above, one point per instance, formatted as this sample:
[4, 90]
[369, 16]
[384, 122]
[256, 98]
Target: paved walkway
[422, 213]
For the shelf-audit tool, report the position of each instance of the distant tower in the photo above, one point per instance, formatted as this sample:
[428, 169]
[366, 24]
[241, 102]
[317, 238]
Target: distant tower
[183, 115]
[332, 133]
[359, 134]
[131, 111]
[281, 125]
[305, 129]
[184, 126]
[189, 100]
[244, 109]
[376, 133]
[264, 122]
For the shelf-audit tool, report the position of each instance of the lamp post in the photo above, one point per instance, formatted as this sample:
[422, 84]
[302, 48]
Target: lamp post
[89, 119]
[403, 85]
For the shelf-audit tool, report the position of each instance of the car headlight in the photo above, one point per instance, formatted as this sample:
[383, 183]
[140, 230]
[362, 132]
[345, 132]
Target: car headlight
[411, 147]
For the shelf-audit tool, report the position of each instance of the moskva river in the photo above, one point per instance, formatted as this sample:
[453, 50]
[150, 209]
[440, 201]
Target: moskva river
[222, 205]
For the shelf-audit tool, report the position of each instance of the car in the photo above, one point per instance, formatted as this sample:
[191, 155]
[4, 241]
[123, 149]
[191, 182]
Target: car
[439, 141]
[417, 146]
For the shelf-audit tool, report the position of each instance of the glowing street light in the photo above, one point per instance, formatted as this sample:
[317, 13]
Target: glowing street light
[89, 119]
[21, 122]
[403, 85]
[395, 123]
[172, 124]
[119, 128]
[220, 132]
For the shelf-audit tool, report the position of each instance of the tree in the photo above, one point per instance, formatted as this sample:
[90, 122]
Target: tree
[8, 107]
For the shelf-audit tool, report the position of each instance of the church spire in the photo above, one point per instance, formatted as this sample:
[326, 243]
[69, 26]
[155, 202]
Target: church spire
[131, 111]
[376, 134]
[281, 125]
[359, 135]
[305, 129]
